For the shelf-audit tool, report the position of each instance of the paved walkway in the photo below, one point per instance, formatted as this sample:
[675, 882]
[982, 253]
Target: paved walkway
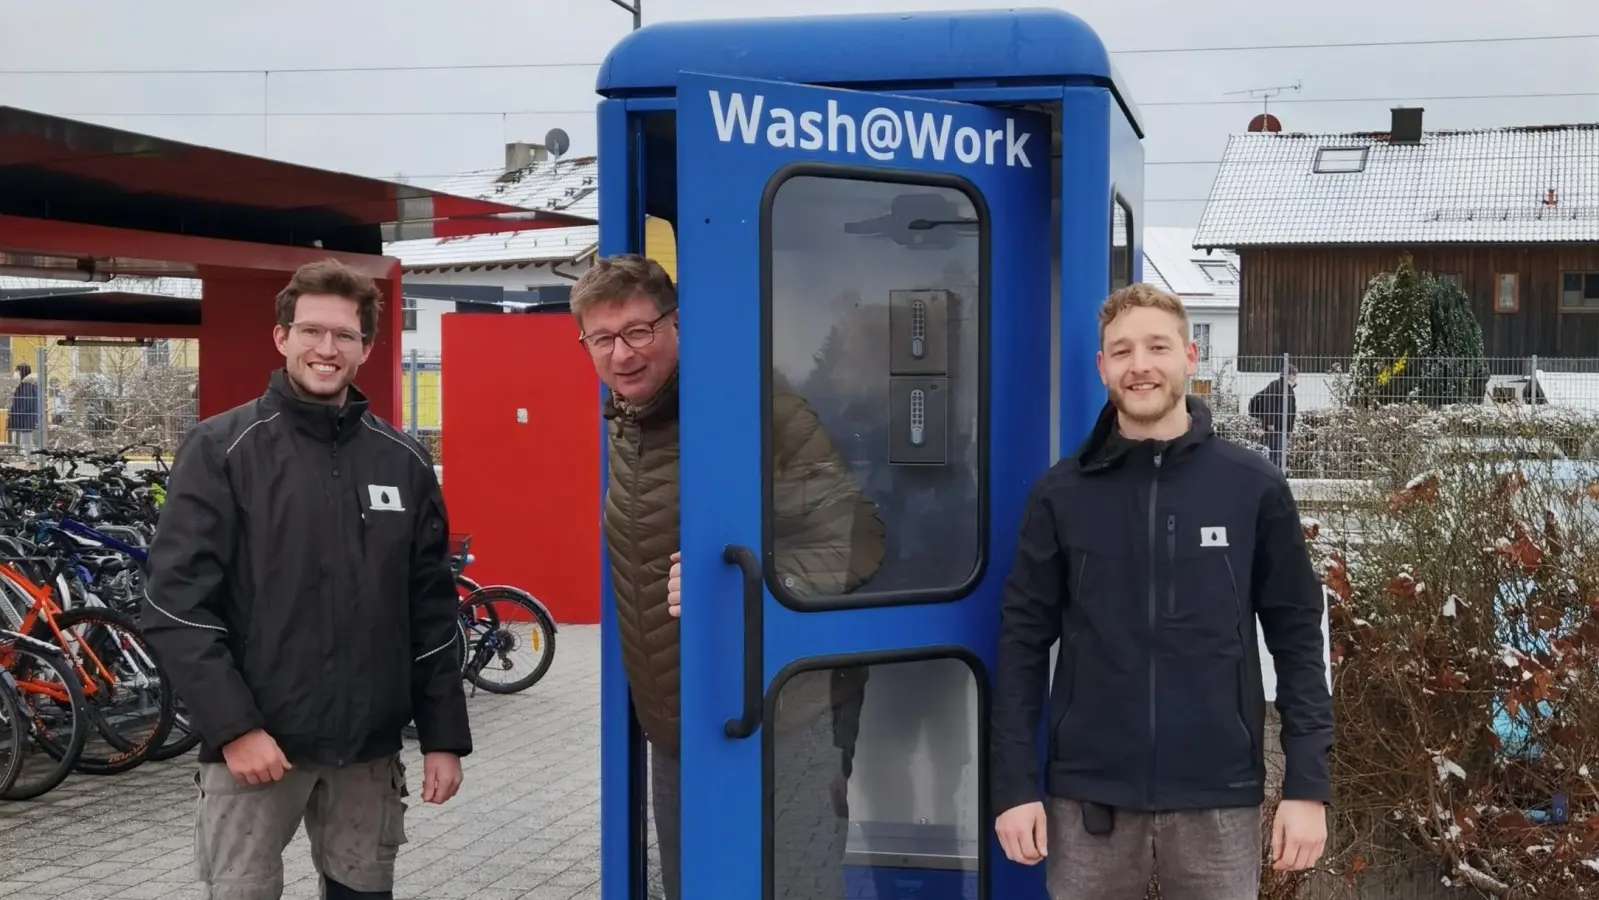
[525, 825]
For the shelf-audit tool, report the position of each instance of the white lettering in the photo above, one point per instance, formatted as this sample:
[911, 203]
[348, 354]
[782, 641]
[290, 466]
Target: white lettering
[735, 114]
[811, 124]
[1016, 150]
[933, 134]
[834, 120]
[968, 145]
[880, 134]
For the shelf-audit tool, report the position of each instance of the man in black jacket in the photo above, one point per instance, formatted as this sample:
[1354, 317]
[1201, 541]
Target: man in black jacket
[1149, 555]
[301, 599]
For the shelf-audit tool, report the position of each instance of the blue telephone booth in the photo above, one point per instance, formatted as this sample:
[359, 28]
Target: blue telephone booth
[892, 236]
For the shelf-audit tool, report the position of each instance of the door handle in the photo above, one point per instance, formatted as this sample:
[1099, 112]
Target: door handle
[754, 642]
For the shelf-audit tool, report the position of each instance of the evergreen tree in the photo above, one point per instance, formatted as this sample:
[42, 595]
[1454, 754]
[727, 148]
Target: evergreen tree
[1457, 372]
[1392, 335]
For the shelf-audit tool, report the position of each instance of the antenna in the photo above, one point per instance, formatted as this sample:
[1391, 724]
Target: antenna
[557, 142]
[1264, 95]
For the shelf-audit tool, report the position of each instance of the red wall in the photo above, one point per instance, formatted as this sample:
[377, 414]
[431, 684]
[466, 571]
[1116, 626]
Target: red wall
[527, 493]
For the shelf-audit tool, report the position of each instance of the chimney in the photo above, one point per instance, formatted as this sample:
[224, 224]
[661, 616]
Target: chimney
[1406, 125]
[520, 155]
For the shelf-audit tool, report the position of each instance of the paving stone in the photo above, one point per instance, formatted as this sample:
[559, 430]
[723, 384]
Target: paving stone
[525, 825]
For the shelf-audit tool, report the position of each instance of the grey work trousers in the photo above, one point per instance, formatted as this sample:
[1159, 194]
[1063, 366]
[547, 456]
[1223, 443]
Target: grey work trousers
[1207, 854]
[354, 816]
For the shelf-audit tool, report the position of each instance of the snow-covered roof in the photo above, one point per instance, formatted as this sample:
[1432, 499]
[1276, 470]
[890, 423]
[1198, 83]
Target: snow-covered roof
[1490, 185]
[1204, 280]
[567, 185]
[182, 288]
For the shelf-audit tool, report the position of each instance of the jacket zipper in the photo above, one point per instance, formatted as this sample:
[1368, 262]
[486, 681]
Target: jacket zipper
[1238, 604]
[1154, 493]
[341, 695]
[1171, 564]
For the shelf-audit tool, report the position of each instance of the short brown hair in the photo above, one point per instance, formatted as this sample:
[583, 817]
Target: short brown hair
[623, 277]
[329, 276]
[1140, 296]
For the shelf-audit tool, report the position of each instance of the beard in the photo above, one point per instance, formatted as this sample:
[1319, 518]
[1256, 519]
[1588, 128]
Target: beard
[1149, 407]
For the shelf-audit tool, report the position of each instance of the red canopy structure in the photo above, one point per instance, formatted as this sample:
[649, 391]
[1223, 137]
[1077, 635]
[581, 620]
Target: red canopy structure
[87, 203]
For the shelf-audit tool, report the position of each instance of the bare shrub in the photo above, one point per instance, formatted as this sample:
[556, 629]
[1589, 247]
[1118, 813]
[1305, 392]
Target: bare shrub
[1464, 616]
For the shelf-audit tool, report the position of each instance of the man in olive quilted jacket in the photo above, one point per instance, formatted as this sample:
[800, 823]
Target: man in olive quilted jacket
[828, 540]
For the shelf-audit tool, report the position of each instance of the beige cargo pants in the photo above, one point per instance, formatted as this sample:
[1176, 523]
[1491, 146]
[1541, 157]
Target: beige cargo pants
[354, 816]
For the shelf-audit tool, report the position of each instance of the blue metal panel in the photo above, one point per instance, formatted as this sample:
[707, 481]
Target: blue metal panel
[727, 166]
[879, 50]
[1086, 115]
[617, 822]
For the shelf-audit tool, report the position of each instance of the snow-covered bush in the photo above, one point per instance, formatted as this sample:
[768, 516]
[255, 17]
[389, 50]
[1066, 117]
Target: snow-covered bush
[1464, 614]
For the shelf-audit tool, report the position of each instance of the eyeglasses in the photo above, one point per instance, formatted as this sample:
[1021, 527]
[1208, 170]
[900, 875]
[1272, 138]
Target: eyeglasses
[635, 336]
[312, 334]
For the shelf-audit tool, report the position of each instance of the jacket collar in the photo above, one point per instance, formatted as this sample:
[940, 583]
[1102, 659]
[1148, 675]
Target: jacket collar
[1104, 449]
[662, 406]
[322, 421]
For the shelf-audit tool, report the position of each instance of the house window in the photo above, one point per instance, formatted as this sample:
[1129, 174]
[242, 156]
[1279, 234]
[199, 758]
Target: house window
[407, 313]
[158, 353]
[1507, 293]
[1202, 340]
[1579, 291]
[1218, 272]
[1333, 160]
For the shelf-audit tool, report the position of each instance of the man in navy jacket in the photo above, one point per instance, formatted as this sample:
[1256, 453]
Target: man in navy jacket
[1149, 554]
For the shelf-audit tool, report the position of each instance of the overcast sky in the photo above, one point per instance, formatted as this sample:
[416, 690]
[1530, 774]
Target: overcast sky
[426, 124]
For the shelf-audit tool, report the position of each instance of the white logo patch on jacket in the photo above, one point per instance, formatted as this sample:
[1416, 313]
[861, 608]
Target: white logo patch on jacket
[384, 498]
[1213, 536]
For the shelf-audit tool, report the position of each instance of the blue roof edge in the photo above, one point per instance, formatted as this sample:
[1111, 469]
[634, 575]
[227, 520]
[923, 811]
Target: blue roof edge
[1026, 45]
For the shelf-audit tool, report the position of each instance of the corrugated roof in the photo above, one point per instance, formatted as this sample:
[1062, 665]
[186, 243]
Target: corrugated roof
[1480, 186]
[568, 186]
[1172, 262]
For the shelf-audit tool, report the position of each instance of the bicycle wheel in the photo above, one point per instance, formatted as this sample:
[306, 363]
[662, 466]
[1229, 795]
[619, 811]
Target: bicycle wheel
[54, 709]
[129, 699]
[13, 734]
[500, 621]
[181, 739]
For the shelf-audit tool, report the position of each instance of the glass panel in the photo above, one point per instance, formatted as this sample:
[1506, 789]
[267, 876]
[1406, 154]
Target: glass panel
[876, 323]
[875, 783]
[1121, 244]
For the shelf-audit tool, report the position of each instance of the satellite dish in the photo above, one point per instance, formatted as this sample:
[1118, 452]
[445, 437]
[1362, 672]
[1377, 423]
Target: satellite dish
[1265, 122]
[557, 142]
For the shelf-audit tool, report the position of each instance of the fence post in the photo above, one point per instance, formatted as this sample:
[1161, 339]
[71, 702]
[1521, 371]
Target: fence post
[44, 395]
[1534, 389]
[416, 429]
[1282, 416]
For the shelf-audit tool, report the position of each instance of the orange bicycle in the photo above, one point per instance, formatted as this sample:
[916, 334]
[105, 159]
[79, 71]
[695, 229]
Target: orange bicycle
[129, 705]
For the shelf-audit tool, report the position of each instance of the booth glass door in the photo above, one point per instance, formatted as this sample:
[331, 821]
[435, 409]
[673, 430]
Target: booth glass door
[864, 313]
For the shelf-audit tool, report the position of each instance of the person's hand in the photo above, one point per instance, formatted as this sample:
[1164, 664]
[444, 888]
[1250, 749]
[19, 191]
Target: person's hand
[1298, 835]
[441, 777]
[1023, 833]
[674, 586]
[255, 758]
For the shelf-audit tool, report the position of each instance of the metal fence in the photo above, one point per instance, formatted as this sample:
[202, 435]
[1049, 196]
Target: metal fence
[422, 399]
[1353, 418]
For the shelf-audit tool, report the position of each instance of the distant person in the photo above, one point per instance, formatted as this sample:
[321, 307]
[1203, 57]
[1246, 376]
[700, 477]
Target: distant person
[301, 597]
[1148, 554]
[23, 419]
[1276, 408]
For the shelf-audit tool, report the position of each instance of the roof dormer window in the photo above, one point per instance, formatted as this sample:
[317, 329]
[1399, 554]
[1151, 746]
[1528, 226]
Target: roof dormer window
[1330, 160]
